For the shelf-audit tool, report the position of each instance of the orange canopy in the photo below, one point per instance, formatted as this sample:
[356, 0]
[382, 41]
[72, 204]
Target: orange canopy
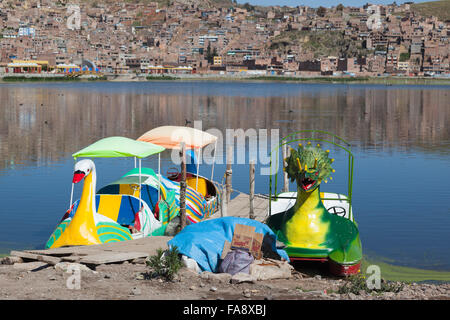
[170, 137]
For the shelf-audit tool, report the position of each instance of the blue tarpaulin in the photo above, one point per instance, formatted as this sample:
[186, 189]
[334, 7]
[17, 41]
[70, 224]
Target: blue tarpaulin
[204, 241]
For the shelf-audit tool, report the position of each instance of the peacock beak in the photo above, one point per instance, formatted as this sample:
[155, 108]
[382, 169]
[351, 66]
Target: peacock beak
[78, 176]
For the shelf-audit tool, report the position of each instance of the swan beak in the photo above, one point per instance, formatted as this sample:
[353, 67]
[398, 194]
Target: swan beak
[78, 176]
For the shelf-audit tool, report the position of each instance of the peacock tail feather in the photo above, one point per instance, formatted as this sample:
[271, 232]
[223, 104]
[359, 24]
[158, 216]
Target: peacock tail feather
[309, 157]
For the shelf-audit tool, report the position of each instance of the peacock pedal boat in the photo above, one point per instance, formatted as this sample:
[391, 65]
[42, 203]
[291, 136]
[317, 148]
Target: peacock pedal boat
[315, 225]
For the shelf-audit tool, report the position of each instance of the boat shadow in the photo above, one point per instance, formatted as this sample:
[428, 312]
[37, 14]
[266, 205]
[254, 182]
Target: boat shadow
[313, 268]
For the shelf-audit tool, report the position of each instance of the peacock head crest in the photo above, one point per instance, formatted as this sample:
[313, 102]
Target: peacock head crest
[309, 166]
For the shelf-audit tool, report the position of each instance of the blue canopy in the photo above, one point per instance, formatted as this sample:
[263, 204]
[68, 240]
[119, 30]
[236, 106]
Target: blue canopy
[204, 241]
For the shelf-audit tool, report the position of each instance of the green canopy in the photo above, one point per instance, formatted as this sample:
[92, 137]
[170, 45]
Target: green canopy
[119, 147]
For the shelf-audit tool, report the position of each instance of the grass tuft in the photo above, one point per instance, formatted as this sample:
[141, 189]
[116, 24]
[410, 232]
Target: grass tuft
[165, 264]
[161, 78]
[357, 283]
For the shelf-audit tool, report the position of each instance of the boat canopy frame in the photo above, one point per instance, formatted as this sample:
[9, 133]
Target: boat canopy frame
[340, 143]
[198, 139]
[118, 147]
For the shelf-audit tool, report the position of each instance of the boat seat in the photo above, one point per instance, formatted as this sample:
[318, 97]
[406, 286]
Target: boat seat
[201, 188]
[120, 208]
[148, 195]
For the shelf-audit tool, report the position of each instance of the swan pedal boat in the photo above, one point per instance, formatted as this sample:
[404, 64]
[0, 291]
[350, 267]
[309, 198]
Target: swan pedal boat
[139, 204]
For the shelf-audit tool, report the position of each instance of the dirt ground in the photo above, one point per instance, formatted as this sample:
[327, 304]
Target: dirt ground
[130, 281]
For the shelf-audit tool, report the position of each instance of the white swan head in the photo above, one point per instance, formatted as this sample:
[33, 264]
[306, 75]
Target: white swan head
[82, 169]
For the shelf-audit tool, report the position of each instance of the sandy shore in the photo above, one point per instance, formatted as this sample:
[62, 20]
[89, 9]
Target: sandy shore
[129, 280]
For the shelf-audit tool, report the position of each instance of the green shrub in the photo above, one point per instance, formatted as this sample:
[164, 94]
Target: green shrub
[163, 77]
[404, 56]
[357, 283]
[35, 79]
[165, 264]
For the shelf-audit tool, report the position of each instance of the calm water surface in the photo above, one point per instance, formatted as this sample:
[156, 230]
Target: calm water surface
[400, 137]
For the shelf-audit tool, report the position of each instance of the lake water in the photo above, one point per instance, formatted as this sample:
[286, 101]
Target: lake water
[400, 138]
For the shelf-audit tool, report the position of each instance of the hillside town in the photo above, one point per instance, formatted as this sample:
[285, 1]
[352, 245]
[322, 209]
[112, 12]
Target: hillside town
[207, 37]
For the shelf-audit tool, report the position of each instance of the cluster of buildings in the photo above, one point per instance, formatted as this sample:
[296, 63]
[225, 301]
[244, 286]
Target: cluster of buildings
[197, 37]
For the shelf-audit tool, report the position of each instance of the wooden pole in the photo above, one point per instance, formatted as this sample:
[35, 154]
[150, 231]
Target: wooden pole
[223, 203]
[285, 154]
[252, 189]
[229, 172]
[183, 186]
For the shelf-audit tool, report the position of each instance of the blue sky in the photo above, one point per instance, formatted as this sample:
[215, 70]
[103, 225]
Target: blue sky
[325, 3]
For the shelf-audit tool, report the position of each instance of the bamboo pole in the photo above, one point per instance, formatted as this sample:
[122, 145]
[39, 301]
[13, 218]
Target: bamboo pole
[214, 161]
[229, 173]
[198, 167]
[183, 186]
[140, 184]
[252, 189]
[159, 176]
[223, 203]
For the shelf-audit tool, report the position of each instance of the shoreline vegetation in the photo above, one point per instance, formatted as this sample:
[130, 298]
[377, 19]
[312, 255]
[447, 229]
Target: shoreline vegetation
[331, 80]
[369, 80]
[158, 78]
[393, 272]
[49, 79]
[238, 78]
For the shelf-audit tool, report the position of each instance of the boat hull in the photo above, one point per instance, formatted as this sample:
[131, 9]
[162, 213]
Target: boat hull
[341, 263]
[336, 269]
[342, 269]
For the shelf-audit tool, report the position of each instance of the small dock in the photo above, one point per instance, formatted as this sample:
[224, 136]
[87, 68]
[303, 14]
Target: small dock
[135, 250]
[239, 206]
[93, 255]
[251, 205]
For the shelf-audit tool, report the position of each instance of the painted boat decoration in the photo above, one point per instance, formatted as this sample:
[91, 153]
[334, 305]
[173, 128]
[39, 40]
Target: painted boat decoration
[314, 225]
[103, 218]
[139, 204]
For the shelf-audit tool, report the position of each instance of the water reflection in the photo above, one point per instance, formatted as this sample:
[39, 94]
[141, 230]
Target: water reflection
[396, 131]
[46, 123]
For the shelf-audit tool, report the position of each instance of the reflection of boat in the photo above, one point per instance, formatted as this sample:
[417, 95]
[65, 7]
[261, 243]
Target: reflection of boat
[103, 218]
[202, 188]
[311, 224]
